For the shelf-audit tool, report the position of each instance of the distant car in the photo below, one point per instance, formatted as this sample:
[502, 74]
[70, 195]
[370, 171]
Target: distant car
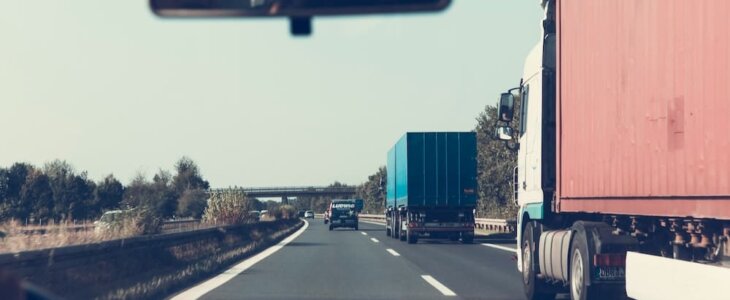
[111, 220]
[343, 213]
[309, 214]
[255, 215]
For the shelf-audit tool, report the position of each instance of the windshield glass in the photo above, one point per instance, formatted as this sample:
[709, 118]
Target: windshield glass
[355, 157]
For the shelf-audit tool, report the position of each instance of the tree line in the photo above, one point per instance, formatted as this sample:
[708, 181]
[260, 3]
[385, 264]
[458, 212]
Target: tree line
[58, 192]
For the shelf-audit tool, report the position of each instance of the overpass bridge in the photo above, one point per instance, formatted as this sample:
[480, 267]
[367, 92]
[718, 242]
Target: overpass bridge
[293, 191]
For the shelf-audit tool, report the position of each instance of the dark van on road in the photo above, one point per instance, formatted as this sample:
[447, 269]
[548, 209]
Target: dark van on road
[343, 213]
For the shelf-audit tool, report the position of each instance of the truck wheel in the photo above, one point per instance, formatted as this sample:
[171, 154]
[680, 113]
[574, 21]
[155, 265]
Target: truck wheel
[402, 234]
[396, 229]
[331, 227]
[454, 237]
[394, 234]
[535, 288]
[387, 231]
[467, 238]
[412, 237]
[580, 270]
[355, 227]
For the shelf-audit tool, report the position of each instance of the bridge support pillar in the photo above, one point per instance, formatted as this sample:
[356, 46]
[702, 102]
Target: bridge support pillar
[284, 200]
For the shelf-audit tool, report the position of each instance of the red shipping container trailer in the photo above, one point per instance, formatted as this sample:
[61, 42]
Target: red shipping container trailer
[643, 107]
[623, 169]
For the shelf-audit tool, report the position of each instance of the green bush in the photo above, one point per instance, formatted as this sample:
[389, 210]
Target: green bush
[137, 222]
[285, 211]
[228, 207]
[192, 203]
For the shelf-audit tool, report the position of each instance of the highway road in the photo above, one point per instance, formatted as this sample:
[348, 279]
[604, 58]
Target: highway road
[316, 263]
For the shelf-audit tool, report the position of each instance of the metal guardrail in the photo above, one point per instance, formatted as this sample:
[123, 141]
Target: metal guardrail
[55, 228]
[167, 226]
[183, 225]
[507, 226]
[498, 225]
[376, 218]
[142, 266]
[292, 189]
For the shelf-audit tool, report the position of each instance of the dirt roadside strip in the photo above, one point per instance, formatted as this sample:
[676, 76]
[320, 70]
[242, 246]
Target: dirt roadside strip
[144, 267]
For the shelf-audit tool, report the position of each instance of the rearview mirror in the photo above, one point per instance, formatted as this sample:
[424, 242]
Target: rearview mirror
[506, 107]
[289, 8]
[505, 133]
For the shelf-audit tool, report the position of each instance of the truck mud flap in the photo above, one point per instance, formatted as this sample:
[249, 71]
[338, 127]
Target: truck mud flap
[654, 277]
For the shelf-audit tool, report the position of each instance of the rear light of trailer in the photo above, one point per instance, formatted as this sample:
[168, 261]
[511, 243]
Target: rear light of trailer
[609, 260]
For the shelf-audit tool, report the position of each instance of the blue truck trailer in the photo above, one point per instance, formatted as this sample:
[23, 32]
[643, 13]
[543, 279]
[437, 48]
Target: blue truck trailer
[432, 186]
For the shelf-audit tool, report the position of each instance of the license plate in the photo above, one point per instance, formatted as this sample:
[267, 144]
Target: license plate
[610, 273]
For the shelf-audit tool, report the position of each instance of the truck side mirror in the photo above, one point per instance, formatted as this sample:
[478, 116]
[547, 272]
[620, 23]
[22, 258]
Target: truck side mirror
[505, 133]
[506, 107]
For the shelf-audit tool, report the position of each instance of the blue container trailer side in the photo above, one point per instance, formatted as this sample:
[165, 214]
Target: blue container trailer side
[390, 179]
[431, 188]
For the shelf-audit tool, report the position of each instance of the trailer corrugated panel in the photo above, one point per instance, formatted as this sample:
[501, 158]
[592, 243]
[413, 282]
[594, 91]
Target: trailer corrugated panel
[390, 177]
[434, 169]
[644, 107]
[401, 174]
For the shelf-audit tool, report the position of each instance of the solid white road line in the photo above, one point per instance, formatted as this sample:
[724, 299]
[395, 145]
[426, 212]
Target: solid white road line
[393, 252]
[213, 283]
[374, 240]
[508, 249]
[439, 286]
[364, 233]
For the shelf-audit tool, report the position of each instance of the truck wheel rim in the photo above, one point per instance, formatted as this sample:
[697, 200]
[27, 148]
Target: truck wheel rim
[526, 264]
[577, 276]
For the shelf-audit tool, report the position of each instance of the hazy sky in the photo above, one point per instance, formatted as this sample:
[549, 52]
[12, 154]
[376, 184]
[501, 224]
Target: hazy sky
[111, 88]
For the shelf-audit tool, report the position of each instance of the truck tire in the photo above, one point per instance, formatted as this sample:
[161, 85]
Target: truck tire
[580, 270]
[454, 237]
[399, 230]
[331, 227]
[412, 237]
[356, 227]
[535, 288]
[387, 231]
[396, 229]
[402, 234]
[467, 238]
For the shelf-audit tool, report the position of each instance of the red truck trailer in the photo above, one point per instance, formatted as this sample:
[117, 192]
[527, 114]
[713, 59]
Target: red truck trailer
[623, 173]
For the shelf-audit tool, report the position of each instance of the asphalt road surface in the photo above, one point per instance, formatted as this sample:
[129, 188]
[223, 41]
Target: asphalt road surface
[366, 264]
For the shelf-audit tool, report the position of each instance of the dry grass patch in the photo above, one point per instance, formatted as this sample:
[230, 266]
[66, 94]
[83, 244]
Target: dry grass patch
[21, 238]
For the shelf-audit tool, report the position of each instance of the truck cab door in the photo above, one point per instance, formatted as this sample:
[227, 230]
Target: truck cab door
[530, 153]
[521, 181]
